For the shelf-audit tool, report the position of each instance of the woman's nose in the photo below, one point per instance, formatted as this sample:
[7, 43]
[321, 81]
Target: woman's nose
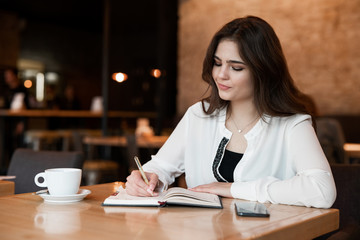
[224, 73]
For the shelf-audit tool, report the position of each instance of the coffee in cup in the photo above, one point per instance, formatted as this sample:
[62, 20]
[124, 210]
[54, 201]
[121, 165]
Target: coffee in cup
[60, 181]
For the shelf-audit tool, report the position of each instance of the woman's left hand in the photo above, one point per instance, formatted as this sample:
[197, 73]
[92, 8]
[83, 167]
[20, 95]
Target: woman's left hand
[218, 188]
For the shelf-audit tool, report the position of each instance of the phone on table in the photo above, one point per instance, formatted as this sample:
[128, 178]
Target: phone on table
[251, 209]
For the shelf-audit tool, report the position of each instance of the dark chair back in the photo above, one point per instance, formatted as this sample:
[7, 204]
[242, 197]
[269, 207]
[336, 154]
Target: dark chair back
[347, 180]
[26, 163]
[332, 139]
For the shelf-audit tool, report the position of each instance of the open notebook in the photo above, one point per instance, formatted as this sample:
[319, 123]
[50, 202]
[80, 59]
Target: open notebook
[173, 196]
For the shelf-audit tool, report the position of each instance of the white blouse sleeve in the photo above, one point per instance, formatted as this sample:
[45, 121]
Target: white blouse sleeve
[168, 163]
[312, 186]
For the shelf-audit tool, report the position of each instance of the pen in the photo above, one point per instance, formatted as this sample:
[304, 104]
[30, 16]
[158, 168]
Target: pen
[141, 170]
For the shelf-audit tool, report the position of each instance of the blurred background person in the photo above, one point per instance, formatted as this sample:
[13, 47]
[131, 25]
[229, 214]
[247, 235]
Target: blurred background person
[69, 100]
[65, 101]
[14, 86]
[52, 100]
[14, 127]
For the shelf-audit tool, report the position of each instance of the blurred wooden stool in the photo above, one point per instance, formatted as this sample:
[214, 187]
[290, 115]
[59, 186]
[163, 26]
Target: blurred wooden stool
[100, 171]
[95, 171]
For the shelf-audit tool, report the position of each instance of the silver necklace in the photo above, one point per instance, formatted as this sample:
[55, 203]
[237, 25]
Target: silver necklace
[246, 126]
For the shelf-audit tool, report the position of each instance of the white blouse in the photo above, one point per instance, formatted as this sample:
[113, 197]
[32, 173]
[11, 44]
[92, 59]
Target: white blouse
[283, 163]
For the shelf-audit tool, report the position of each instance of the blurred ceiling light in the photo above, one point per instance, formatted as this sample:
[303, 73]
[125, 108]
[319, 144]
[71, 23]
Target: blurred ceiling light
[51, 77]
[30, 73]
[28, 83]
[40, 86]
[23, 64]
[120, 77]
[156, 73]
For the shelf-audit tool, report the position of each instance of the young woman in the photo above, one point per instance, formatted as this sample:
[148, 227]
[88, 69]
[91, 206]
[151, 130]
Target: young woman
[252, 138]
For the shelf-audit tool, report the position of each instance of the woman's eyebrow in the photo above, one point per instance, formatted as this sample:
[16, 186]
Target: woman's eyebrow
[230, 61]
[216, 57]
[235, 61]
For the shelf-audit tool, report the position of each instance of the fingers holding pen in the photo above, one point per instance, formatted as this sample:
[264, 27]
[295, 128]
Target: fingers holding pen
[153, 182]
[136, 186]
[137, 179]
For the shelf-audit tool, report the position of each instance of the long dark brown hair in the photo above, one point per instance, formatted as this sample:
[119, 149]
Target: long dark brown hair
[275, 93]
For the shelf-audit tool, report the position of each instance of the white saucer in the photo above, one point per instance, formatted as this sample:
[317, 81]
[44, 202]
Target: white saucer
[65, 199]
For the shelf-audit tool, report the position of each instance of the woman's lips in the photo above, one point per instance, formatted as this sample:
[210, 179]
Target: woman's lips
[223, 87]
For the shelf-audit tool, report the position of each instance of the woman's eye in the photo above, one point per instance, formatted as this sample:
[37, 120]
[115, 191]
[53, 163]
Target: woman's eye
[218, 64]
[237, 68]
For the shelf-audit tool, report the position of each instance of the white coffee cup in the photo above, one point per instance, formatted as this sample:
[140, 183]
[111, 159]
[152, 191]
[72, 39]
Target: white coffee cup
[60, 181]
[143, 128]
[97, 104]
[18, 102]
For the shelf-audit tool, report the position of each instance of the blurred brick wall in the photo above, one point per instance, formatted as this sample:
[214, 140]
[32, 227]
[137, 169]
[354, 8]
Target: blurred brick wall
[320, 40]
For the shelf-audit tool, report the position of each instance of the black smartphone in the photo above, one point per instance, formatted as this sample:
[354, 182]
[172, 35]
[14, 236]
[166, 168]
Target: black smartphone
[251, 209]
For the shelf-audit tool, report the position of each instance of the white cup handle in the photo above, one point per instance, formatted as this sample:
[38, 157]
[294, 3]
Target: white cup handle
[36, 179]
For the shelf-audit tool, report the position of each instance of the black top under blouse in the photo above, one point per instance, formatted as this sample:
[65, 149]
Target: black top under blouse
[228, 164]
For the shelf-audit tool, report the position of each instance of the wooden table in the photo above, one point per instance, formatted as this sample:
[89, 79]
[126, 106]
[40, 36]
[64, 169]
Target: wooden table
[26, 216]
[6, 188]
[120, 141]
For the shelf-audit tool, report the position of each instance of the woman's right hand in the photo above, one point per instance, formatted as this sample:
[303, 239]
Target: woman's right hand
[136, 186]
